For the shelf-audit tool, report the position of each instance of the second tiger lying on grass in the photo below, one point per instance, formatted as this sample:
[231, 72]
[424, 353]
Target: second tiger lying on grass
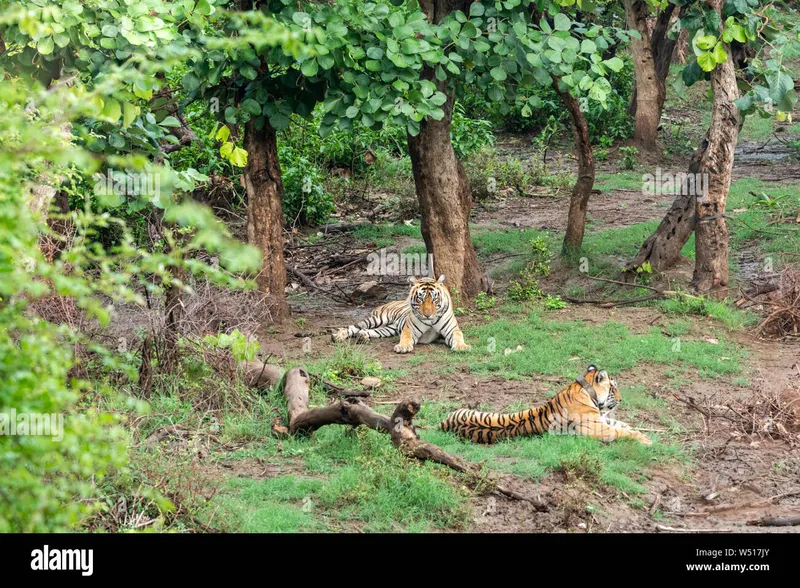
[576, 410]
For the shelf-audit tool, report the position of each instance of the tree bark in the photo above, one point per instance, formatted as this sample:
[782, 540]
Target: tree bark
[579, 199]
[262, 179]
[662, 49]
[712, 160]
[711, 238]
[442, 189]
[648, 112]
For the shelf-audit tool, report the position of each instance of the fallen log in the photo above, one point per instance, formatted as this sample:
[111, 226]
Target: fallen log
[775, 522]
[258, 374]
[353, 412]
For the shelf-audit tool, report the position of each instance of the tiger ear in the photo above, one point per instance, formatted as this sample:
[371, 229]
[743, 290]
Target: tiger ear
[441, 279]
[411, 279]
[591, 368]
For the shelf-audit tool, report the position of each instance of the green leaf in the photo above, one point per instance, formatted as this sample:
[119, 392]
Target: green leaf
[226, 149]
[498, 73]
[326, 61]
[706, 42]
[309, 68]
[691, 73]
[170, 121]
[223, 133]
[477, 9]
[248, 71]
[375, 53]
[204, 8]
[129, 113]
[779, 84]
[720, 55]
[45, 45]
[111, 110]
[615, 64]
[706, 61]
[238, 157]
[562, 22]
[279, 121]
[588, 46]
[250, 106]
[351, 112]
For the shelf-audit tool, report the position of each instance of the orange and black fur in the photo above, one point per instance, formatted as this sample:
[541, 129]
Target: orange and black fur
[577, 410]
[425, 316]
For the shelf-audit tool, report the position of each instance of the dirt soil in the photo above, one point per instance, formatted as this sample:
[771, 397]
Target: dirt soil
[733, 478]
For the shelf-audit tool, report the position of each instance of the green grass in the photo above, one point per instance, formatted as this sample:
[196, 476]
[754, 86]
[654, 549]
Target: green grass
[354, 478]
[566, 348]
[732, 318]
[618, 181]
[491, 242]
[756, 128]
[384, 235]
[752, 225]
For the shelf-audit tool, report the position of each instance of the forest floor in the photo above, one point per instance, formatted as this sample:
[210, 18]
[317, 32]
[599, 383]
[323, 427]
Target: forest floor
[677, 364]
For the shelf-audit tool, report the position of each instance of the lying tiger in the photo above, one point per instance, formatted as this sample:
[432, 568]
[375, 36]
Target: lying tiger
[423, 317]
[577, 409]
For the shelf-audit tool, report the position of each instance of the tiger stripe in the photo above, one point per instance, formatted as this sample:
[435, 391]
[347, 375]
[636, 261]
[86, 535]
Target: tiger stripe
[424, 316]
[576, 409]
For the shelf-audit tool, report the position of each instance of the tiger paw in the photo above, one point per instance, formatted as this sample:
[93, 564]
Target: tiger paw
[402, 348]
[641, 438]
[339, 335]
[461, 347]
[362, 337]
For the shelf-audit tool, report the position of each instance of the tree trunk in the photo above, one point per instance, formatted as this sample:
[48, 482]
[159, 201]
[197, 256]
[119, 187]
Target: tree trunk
[711, 239]
[662, 48]
[262, 179]
[712, 161]
[648, 112]
[445, 202]
[579, 200]
[444, 196]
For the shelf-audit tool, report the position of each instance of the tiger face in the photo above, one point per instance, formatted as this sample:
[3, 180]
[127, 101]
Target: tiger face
[428, 298]
[605, 387]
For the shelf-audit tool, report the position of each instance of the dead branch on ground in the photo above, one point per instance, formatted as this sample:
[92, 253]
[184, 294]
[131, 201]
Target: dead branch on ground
[400, 426]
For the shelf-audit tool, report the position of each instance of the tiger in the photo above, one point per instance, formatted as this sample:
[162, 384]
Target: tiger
[423, 317]
[581, 408]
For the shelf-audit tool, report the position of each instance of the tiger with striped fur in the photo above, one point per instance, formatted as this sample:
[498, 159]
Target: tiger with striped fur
[423, 317]
[577, 409]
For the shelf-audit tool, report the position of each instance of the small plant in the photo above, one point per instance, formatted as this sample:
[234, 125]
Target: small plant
[554, 302]
[484, 302]
[767, 201]
[630, 157]
[645, 272]
[241, 346]
[605, 141]
[562, 180]
[601, 154]
[458, 310]
[301, 322]
[526, 286]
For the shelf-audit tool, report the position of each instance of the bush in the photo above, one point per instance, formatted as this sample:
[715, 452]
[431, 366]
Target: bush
[526, 286]
[613, 123]
[305, 199]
